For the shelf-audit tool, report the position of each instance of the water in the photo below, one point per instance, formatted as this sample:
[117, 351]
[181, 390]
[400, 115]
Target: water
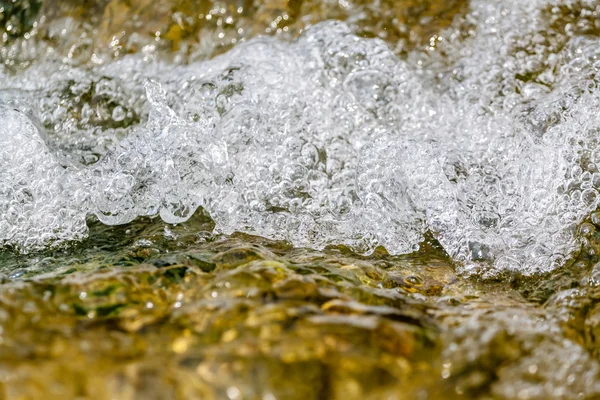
[400, 203]
[327, 139]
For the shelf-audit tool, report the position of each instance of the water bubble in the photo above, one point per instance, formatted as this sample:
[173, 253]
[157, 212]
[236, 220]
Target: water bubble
[324, 140]
[119, 114]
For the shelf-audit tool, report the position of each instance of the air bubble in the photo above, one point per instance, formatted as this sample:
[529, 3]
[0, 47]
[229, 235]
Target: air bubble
[329, 139]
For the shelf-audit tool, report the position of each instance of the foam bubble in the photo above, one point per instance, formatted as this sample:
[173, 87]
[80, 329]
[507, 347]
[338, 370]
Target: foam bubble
[33, 207]
[331, 139]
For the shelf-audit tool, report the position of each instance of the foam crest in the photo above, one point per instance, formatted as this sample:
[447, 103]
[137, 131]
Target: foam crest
[330, 139]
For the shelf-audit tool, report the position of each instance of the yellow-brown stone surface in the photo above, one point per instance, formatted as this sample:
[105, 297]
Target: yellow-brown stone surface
[159, 311]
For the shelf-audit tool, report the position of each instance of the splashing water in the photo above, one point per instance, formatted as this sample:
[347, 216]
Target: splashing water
[330, 139]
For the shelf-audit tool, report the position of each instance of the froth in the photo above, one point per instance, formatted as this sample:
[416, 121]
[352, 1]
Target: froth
[330, 139]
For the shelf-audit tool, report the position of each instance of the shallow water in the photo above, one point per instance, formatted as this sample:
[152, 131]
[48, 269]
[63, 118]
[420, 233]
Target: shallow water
[300, 200]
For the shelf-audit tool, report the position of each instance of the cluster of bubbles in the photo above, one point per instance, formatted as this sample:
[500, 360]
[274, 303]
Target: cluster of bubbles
[490, 143]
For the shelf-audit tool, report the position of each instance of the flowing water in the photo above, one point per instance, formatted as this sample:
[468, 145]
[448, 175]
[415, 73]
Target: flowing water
[300, 199]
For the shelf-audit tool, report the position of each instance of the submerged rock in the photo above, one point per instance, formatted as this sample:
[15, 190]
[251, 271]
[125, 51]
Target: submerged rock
[289, 323]
[209, 317]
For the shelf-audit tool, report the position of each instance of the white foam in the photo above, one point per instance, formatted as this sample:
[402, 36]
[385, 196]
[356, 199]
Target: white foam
[327, 140]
